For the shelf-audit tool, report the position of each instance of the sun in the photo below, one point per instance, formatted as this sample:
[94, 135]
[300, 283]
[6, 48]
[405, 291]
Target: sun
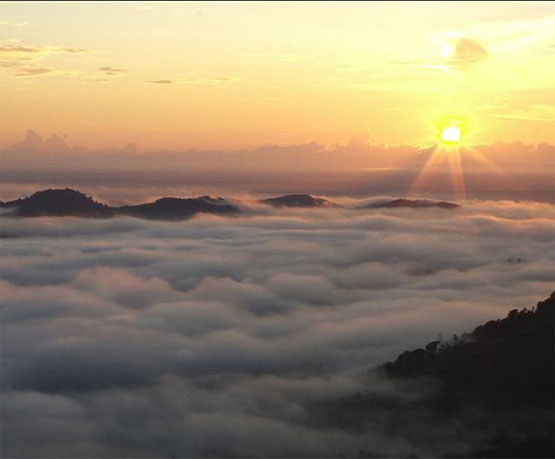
[451, 132]
[447, 155]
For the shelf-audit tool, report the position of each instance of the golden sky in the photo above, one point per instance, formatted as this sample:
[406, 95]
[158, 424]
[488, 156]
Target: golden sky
[239, 75]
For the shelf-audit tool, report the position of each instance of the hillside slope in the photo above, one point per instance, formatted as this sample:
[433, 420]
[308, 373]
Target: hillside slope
[488, 393]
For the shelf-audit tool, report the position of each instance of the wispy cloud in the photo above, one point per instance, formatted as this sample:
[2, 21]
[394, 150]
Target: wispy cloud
[148, 7]
[16, 50]
[111, 71]
[9, 63]
[14, 55]
[284, 57]
[13, 24]
[160, 81]
[208, 81]
[465, 53]
[548, 48]
[193, 79]
[533, 112]
[33, 71]
[25, 58]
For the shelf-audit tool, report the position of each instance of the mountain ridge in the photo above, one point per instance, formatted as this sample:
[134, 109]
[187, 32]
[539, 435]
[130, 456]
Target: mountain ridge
[297, 200]
[68, 202]
[412, 203]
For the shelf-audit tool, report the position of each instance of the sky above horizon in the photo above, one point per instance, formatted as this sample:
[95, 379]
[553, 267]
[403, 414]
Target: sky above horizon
[172, 76]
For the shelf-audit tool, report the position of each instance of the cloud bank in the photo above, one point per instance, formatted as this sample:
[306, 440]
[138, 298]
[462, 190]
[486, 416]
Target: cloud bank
[358, 154]
[215, 337]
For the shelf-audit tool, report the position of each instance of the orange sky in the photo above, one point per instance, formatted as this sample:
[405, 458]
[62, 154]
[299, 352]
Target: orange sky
[239, 75]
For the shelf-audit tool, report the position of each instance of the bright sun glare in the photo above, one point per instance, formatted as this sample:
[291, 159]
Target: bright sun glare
[450, 134]
[448, 150]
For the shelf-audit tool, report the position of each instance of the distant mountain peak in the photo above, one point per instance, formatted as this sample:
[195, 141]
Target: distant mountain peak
[179, 208]
[297, 200]
[69, 202]
[59, 202]
[59, 193]
[412, 204]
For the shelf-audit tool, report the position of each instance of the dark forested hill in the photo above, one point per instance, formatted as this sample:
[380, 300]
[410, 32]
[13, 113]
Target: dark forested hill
[492, 390]
[67, 202]
[297, 200]
[178, 208]
[503, 362]
[412, 204]
[59, 203]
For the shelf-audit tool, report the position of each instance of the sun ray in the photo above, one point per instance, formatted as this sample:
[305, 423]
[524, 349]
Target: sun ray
[442, 154]
[479, 156]
[456, 172]
[493, 168]
[434, 159]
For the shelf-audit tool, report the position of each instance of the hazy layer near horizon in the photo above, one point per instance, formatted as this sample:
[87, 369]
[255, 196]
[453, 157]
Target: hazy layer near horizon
[131, 187]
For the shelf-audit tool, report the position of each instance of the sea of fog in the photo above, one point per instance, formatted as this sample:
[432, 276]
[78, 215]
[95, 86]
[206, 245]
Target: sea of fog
[213, 336]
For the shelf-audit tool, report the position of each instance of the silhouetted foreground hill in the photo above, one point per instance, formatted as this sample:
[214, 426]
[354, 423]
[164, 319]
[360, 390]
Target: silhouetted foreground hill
[413, 204]
[482, 364]
[492, 390]
[297, 200]
[68, 202]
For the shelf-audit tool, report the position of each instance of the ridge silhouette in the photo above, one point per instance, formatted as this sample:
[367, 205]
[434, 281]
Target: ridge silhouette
[68, 202]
